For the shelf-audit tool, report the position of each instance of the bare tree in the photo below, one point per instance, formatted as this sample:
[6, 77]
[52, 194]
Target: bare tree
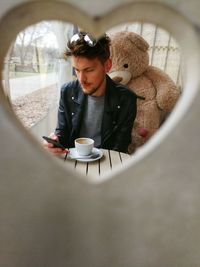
[28, 39]
[25, 42]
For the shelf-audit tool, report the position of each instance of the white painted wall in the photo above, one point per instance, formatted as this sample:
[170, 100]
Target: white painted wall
[147, 214]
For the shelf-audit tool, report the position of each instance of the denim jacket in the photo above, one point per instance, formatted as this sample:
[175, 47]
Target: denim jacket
[118, 117]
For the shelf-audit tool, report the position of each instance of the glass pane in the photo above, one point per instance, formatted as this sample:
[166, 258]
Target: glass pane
[34, 71]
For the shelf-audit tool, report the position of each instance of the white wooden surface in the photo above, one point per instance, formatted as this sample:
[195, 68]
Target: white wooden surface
[94, 170]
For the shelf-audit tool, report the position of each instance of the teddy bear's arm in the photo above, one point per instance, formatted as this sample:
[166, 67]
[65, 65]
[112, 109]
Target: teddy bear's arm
[167, 93]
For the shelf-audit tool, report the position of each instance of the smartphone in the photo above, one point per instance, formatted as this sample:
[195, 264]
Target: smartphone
[54, 142]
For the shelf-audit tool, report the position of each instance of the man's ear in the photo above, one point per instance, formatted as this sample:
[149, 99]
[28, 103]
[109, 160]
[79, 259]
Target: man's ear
[108, 65]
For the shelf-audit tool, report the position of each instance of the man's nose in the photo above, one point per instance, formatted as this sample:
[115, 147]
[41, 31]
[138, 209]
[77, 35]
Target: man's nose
[82, 77]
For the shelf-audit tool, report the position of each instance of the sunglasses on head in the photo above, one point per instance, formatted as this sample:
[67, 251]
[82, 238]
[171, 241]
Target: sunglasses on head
[91, 41]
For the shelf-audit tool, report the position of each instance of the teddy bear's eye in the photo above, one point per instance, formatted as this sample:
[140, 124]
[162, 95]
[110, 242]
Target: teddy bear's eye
[125, 66]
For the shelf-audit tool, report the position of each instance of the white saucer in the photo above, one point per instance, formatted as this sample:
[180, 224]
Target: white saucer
[73, 153]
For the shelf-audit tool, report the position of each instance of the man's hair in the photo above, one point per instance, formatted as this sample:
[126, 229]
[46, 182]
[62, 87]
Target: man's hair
[97, 48]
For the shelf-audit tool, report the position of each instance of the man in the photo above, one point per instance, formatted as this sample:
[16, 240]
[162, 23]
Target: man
[93, 105]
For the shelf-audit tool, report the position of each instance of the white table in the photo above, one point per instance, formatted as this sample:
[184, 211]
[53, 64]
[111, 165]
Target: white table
[93, 171]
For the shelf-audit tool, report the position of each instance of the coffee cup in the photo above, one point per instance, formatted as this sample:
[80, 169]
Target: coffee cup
[84, 146]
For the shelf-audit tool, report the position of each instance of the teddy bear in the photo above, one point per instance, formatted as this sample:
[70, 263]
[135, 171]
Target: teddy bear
[156, 92]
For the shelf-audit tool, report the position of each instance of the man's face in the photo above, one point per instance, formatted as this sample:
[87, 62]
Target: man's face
[91, 74]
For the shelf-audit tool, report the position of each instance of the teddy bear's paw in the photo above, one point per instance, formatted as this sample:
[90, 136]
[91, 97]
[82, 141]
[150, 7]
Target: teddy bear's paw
[143, 132]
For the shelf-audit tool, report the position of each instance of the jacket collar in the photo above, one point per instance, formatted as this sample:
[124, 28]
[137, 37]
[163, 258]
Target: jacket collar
[112, 98]
[111, 95]
[78, 95]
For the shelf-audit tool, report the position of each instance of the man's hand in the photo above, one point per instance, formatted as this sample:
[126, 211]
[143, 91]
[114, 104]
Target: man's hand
[52, 149]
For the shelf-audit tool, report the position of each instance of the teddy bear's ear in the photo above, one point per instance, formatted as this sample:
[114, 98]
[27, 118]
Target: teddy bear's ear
[138, 41]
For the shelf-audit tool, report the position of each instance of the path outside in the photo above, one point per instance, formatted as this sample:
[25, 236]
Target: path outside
[22, 86]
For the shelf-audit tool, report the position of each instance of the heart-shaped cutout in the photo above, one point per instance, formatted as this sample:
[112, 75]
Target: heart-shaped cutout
[33, 106]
